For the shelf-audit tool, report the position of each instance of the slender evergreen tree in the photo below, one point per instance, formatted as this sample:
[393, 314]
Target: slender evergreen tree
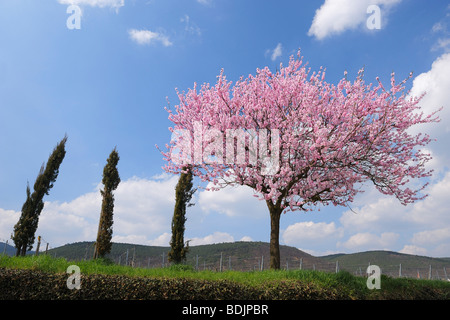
[183, 195]
[25, 228]
[111, 180]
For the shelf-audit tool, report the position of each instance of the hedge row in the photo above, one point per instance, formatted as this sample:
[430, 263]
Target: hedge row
[31, 284]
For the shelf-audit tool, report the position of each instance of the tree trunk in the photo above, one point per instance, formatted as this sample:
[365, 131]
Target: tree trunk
[275, 214]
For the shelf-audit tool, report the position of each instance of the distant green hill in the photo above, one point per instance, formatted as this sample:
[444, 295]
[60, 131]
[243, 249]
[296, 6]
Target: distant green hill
[235, 255]
[393, 263]
[247, 256]
[9, 249]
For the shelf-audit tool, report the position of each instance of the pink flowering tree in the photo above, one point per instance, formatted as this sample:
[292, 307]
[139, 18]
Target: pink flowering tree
[299, 141]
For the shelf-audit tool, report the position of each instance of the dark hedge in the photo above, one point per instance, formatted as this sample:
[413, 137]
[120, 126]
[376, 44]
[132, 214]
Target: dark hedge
[30, 284]
[36, 285]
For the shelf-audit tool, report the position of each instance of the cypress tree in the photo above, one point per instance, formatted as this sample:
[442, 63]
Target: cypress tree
[25, 228]
[111, 180]
[183, 195]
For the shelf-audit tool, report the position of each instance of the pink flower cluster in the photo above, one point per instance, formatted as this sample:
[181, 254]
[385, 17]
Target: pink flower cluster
[331, 137]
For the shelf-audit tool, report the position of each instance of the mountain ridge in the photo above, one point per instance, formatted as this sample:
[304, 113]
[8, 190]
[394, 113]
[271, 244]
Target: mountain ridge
[254, 255]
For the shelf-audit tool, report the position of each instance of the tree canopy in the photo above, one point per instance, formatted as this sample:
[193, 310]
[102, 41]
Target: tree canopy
[320, 141]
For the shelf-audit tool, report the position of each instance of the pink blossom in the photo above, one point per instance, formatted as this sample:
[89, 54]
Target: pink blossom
[331, 137]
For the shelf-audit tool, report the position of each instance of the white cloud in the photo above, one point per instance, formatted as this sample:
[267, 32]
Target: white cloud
[437, 27]
[8, 219]
[189, 26]
[337, 16]
[386, 212]
[436, 83]
[148, 37]
[232, 201]
[205, 2]
[436, 236]
[442, 43]
[368, 241]
[302, 233]
[144, 207]
[440, 250]
[383, 212]
[116, 4]
[441, 31]
[433, 212]
[143, 211]
[216, 237]
[425, 223]
[411, 249]
[277, 52]
[162, 240]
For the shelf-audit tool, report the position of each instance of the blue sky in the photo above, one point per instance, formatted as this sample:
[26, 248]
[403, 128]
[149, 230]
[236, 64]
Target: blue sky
[107, 83]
